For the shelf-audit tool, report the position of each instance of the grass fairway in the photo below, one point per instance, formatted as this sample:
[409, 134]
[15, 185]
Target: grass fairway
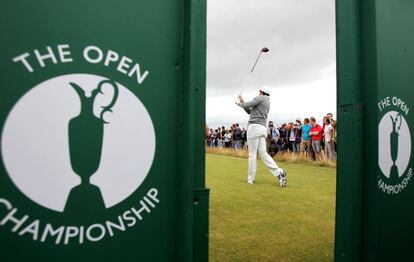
[263, 222]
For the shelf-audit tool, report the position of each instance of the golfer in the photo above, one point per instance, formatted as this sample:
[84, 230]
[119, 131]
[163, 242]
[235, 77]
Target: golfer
[258, 108]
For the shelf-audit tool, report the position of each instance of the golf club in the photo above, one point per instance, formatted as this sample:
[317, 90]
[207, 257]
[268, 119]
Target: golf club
[263, 50]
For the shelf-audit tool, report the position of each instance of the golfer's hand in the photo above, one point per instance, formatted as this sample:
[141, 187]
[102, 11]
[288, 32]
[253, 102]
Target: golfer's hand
[237, 101]
[241, 99]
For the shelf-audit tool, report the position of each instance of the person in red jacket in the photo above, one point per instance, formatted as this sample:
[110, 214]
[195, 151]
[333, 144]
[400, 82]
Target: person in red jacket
[316, 133]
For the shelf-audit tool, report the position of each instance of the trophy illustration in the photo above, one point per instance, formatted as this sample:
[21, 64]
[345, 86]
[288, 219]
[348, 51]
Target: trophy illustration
[85, 133]
[394, 139]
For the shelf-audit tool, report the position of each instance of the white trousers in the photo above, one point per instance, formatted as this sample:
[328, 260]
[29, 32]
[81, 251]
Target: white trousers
[256, 140]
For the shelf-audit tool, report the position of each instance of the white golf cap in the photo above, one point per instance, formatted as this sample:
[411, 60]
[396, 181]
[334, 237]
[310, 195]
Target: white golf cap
[265, 89]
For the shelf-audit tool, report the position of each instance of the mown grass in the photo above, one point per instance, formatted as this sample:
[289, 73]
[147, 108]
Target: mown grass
[263, 222]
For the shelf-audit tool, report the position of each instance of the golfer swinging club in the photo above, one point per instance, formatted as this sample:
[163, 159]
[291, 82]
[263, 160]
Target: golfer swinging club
[258, 108]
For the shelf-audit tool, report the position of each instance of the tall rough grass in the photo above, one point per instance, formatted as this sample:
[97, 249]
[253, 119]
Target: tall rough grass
[286, 157]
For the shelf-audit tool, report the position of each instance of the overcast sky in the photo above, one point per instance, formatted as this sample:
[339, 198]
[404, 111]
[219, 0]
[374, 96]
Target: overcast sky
[300, 66]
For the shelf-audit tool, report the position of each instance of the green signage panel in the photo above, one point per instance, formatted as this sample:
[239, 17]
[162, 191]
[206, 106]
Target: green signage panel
[91, 117]
[375, 171]
[388, 232]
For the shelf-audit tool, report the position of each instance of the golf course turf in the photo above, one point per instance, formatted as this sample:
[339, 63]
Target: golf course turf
[264, 222]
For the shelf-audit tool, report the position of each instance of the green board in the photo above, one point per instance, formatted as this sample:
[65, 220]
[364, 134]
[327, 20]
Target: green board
[376, 98]
[388, 230]
[96, 98]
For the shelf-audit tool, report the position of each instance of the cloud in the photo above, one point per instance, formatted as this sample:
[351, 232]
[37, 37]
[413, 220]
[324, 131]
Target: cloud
[287, 103]
[299, 33]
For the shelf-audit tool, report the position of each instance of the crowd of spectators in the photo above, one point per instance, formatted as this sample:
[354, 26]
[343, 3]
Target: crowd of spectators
[233, 137]
[317, 141]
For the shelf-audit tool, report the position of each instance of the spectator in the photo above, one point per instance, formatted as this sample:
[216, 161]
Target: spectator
[244, 137]
[238, 136]
[330, 116]
[316, 133]
[299, 122]
[219, 141]
[282, 142]
[290, 136]
[227, 138]
[271, 139]
[333, 123]
[223, 132]
[294, 137]
[213, 138]
[329, 130]
[209, 133]
[297, 132]
[306, 145]
[233, 135]
[323, 135]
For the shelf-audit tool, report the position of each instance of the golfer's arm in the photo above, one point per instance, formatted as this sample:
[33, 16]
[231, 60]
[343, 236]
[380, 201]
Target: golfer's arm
[247, 106]
[247, 109]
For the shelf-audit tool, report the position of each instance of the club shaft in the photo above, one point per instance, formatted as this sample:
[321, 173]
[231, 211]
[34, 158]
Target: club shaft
[255, 63]
[245, 83]
[251, 72]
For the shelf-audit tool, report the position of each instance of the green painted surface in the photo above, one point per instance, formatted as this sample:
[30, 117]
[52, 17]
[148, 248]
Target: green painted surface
[374, 223]
[157, 36]
[388, 230]
[350, 153]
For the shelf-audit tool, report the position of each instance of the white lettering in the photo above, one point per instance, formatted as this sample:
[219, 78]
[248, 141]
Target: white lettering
[22, 58]
[127, 216]
[49, 55]
[143, 208]
[120, 226]
[64, 53]
[66, 234]
[149, 202]
[123, 65]
[89, 232]
[49, 230]
[92, 54]
[136, 69]
[10, 217]
[32, 228]
[395, 189]
[70, 232]
[111, 56]
[384, 103]
[397, 102]
[97, 50]
[152, 193]
[81, 232]
[6, 203]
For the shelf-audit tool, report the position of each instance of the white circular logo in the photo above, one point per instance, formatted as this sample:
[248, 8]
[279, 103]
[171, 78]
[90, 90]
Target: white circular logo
[78, 132]
[394, 144]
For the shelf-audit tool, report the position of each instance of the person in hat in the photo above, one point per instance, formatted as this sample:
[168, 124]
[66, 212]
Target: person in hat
[258, 109]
